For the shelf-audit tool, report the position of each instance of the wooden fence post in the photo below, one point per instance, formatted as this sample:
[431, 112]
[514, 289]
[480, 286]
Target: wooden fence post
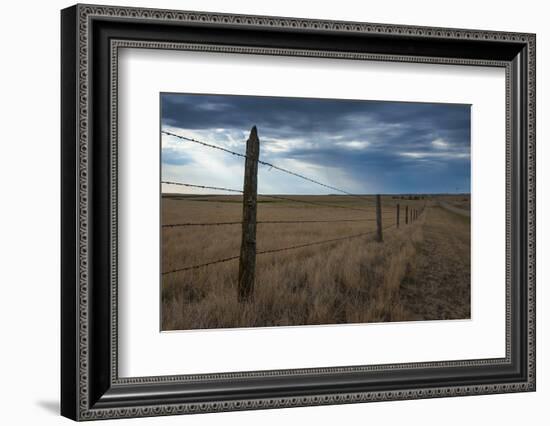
[378, 219]
[406, 215]
[397, 222]
[247, 261]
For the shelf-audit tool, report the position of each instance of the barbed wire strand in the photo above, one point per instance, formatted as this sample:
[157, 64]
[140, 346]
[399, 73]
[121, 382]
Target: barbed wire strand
[172, 225]
[204, 144]
[201, 265]
[189, 185]
[314, 243]
[218, 188]
[279, 197]
[298, 246]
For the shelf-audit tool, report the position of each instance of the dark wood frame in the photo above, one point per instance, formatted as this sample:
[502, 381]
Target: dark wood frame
[90, 386]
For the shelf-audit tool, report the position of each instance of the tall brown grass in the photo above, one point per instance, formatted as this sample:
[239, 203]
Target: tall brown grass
[354, 281]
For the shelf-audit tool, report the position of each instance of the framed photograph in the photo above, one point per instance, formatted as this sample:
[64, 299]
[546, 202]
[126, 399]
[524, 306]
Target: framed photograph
[263, 212]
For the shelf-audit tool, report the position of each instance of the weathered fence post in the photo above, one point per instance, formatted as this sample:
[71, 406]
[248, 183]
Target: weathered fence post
[247, 261]
[406, 215]
[378, 219]
[397, 221]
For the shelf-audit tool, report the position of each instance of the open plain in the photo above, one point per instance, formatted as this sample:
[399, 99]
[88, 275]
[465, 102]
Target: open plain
[420, 271]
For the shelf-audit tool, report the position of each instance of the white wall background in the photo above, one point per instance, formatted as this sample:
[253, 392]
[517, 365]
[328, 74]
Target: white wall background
[29, 212]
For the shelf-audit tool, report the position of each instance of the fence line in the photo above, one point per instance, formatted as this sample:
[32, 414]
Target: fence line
[267, 222]
[265, 163]
[249, 222]
[276, 250]
[315, 243]
[173, 225]
[278, 197]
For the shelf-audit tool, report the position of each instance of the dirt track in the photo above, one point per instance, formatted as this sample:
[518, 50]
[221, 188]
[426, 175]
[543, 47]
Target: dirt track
[441, 285]
[447, 206]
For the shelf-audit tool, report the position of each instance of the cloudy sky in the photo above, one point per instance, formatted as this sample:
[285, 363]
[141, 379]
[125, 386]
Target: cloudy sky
[359, 146]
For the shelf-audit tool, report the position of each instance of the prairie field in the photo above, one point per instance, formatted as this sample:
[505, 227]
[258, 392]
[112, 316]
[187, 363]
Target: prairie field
[420, 271]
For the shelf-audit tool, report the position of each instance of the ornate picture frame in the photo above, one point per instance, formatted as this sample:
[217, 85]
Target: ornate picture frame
[91, 38]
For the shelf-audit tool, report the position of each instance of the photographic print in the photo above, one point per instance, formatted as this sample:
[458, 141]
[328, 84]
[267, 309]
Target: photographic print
[281, 211]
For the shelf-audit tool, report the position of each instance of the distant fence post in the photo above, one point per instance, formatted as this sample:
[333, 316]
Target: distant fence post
[247, 261]
[378, 219]
[406, 215]
[397, 219]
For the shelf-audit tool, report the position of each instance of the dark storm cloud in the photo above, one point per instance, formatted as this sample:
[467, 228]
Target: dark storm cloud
[403, 147]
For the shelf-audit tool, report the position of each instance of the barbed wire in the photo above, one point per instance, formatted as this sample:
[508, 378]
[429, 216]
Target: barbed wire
[284, 170]
[209, 145]
[201, 265]
[294, 247]
[174, 225]
[315, 243]
[265, 163]
[266, 222]
[278, 197]
[189, 185]
[317, 221]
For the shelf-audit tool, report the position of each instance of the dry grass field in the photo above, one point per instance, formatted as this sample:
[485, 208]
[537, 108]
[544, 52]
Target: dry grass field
[458, 201]
[420, 271]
